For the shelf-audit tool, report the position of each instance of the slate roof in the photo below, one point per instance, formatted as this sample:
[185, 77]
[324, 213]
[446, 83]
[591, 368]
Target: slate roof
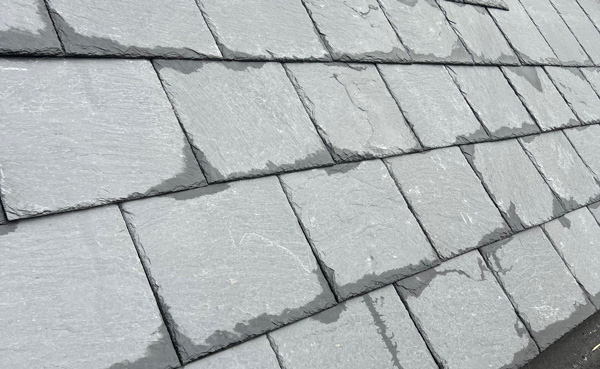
[284, 184]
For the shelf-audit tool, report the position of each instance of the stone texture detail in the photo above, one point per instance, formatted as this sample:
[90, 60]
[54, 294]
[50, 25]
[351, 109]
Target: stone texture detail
[577, 92]
[580, 25]
[256, 353]
[585, 141]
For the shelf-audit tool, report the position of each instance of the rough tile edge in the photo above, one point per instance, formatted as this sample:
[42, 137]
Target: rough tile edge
[496, 4]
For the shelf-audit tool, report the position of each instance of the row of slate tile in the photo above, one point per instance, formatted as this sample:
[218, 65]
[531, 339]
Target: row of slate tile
[531, 32]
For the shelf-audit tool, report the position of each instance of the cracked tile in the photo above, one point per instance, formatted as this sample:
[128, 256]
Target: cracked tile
[585, 140]
[577, 92]
[581, 27]
[256, 353]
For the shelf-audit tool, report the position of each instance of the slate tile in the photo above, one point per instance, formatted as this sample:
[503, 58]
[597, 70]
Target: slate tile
[2, 215]
[539, 284]
[371, 331]
[498, 4]
[432, 104]
[585, 140]
[592, 10]
[74, 295]
[577, 92]
[592, 75]
[514, 183]
[562, 168]
[541, 97]
[581, 27]
[243, 119]
[595, 209]
[360, 225]
[229, 262]
[353, 110]
[449, 200]
[256, 353]
[466, 317]
[479, 32]
[425, 31]
[263, 29]
[74, 134]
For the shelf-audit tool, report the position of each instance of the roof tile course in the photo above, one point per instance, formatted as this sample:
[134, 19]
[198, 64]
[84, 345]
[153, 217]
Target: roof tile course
[580, 25]
[577, 92]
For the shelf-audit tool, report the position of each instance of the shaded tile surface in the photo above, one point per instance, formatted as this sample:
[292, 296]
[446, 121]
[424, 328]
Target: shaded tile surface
[499, 4]
[26, 28]
[585, 140]
[578, 93]
[581, 27]
[256, 353]
[2, 215]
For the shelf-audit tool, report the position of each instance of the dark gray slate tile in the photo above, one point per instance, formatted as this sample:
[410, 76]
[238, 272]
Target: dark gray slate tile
[577, 92]
[256, 353]
[581, 27]
[466, 317]
[79, 133]
[360, 225]
[449, 200]
[243, 119]
[229, 261]
[585, 140]
[371, 331]
[592, 9]
[433, 104]
[541, 97]
[499, 4]
[263, 29]
[2, 215]
[74, 295]
[479, 32]
[353, 110]
[425, 31]
[514, 183]
[539, 284]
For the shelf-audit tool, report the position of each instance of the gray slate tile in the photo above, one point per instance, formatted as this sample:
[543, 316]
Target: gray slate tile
[432, 104]
[585, 140]
[353, 110]
[26, 28]
[466, 317]
[592, 9]
[577, 92]
[581, 27]
[514, 183]
[92, 132]
[539, 284]
[2, 215]
[449, 200]
[229, 261]
[74, 295]
[371, 331]
[595, 209]
[263, 29]
[256, 353]
[243, 119]
[592, 75]
[541, 97]
[498, 4]
[360, 225]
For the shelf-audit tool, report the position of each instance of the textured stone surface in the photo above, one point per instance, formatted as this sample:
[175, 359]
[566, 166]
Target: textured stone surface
[371, 331]
[229, 261]
[581, 27]
[514, 183]
[499, 4]
[359, 224]
[2, 215]
[433, 105]
[173, 28]
[578, 93]
[595, 209]
[586, 140]
[449, 200]
[479, 32]
[243, 119]
[592, 75]
[466, 316]
[78, 133]
[592, 9]
[354, 111]
[494, 101]
[263, 29]
[541, 97]
[74, 295]
[256, 353]
[539, 284]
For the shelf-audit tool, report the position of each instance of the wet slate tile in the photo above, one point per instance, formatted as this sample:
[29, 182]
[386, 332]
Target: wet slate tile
[541, 97]
[263, 29]
[466, 317]
[85, 138]
[585, 141]
[432, 104]
[243, 118]
[539, 284]
[514, 183]
[577, 92]
[74, 295]
[449, 200]
[229, 262]
[256, 353]
[360, 225]
[581, 27]
[479, 32]
[353, 110]
[371, 331]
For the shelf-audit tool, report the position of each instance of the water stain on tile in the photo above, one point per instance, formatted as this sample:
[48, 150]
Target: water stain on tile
[330, 315]
[159, 354]
[382, 329]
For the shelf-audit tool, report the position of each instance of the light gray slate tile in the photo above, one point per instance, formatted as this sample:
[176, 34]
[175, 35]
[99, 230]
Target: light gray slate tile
[360, 225]
[371, 331]
[592, 75]
[577, 92]
[26, 28]
[243, 119]
[353, 110]
[595, 209]
[479, 32]
[499, 4]
[229, 261]
[581, 27]
[592, 9]
[79, 133]
[576, 237]
[263, 29]
[74, 295]
[562, 168]
[586, 140]
[541, 97]
[449, 200]
[466, 317]
[256, 353]
[514, 183]
[432, 104]
[539, 284]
